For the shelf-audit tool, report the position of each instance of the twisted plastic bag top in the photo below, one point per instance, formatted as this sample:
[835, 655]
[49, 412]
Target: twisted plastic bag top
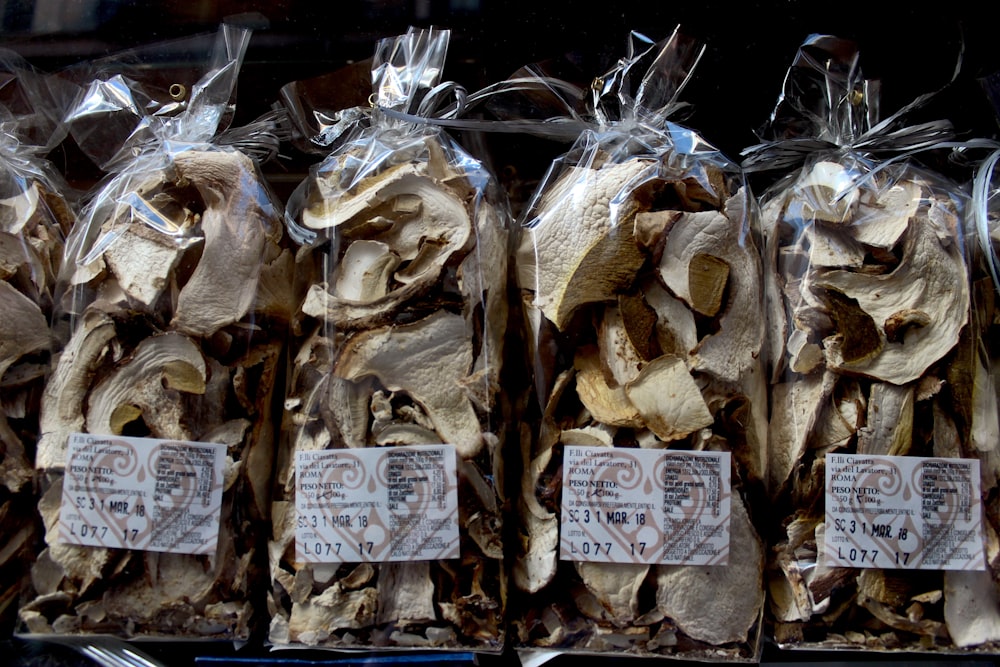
[29, 125]
[668, 68]
[404, 259]
[125, 105]
[633, 120]
[394, 131]
[406, 69]
[826, 104]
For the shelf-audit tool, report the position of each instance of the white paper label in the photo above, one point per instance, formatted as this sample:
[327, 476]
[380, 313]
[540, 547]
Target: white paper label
[645, 506]
[903, 512]
[142, 493]
[376, 504]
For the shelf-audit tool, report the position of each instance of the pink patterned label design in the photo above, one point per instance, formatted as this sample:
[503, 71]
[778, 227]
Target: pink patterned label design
[903, 512]
[645, 506]
[376, 504]
[142, 493]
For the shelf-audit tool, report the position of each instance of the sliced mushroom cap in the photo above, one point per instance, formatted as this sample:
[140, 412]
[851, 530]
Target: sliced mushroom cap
[24, 329]
[825, 193]
[717, 604]
[676, 330]
[172, 587]
[482, 279]
[579, 248]
[428, 360]
[882, 219]
[606, 402]
[615, 586]
[405, 593]
[12, 255]
[889, 427]
[400, 229]
[364, 271]
[17, 210]
[62, 407]
[618, 353]
[835, 248]
[30, 265]
[916, 312]
[668, 399]
[149, 386]
[709, 261]
[536, 567]
[237, 228]
[143, 260]
[538, 559]
[796, 407]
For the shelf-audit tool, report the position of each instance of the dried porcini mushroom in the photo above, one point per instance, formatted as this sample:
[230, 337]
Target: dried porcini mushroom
[641, 284]
[178, 300]
[399, 358]
[401, 344]
[599, 258]
[870, 297]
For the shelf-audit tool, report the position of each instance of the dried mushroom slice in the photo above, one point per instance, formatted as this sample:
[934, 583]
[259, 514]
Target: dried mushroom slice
[240, 236]
[143, 259]
[615, 588]
[826, 193]
[710, 262]
[17, 211]
[668, 399]
[579, 249]
[428, 360]
[149, 387]
[62, 408]
[399, 230]
[24, 329]
[714, 604]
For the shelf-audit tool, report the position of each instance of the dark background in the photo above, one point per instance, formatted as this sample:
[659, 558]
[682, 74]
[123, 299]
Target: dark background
[913, 49]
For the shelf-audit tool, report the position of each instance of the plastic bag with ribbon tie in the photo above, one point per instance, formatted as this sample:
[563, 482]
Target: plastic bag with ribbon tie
[640, 276]
[872, 367]
[37, 210]
[173, 312]
[398, 348]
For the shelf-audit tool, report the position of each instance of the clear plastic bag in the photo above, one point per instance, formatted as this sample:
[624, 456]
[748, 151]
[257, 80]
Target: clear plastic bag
[640, 276]
[403, 245]
[174, 309]
[36, 213]
[873, 363]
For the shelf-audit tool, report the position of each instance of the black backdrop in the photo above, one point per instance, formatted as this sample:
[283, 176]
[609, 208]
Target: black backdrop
[913, 47]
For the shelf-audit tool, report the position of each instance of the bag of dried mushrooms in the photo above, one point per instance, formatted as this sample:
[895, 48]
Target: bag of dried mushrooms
[36, 213]
[389, 489]
[643, 458]
[156, 444]
[879, 471]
